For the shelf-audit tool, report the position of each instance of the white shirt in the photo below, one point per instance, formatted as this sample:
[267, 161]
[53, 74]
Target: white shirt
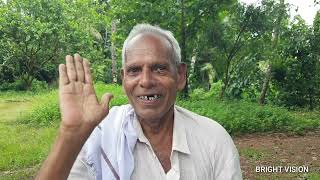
[201, 150]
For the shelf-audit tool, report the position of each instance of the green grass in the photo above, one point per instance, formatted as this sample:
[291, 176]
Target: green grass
[254, 154]
[117, 91]
[307, 176]
[22, 147]
[16, 96]
[45, 110]
[313, 176]
[238, 117]
[28, 125]
[241, 117]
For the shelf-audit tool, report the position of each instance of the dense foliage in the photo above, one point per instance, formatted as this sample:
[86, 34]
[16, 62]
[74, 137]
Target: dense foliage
[36, 35]
[255, 53]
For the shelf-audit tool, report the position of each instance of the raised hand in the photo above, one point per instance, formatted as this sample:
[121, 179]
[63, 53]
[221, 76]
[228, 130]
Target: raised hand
[81, 112]
[80, 108]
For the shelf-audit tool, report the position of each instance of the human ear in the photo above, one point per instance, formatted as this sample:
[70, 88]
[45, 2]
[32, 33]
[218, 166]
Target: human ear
[122, 73]
[182, 75]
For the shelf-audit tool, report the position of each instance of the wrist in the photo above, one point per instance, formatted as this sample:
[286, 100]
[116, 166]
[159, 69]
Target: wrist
[82, 130]
[72, 139]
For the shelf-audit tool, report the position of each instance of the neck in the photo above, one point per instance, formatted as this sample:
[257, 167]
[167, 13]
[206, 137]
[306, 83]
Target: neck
[160, 134]
[156, 129]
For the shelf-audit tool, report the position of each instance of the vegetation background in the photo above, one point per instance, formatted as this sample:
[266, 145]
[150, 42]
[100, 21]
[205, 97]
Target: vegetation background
[251, 68]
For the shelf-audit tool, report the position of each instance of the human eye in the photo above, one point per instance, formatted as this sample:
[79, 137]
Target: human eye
[160, 68]
[133, 70]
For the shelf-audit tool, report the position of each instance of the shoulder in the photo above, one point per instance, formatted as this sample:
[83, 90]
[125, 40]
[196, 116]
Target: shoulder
[207, 138]
[206, 133]
[202, 125]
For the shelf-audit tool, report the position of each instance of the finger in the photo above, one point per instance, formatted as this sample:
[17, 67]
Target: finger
[63, 76]
[79, 67]
[105, 100]
[87, 72]
[71, 68]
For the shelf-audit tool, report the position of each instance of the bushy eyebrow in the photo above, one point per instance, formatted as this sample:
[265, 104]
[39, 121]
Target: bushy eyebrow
[131, 67]
[165, 64]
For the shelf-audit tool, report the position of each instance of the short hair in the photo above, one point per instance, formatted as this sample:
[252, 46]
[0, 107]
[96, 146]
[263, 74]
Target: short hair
[147, 28]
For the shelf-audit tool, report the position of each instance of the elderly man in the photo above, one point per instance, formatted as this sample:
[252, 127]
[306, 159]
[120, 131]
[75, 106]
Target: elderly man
[151, 138]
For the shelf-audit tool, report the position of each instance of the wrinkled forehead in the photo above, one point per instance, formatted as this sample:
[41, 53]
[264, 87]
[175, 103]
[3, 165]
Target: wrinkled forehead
[138, 52]
[149, 44]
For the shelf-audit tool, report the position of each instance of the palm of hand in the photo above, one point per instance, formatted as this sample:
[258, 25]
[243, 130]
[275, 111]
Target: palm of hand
[78, 102]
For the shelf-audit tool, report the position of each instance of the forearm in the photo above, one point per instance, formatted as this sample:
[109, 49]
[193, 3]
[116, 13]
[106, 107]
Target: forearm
[62, 156]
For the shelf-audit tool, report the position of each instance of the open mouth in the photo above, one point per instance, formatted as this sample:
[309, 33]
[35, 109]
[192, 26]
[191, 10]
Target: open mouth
[150, 97]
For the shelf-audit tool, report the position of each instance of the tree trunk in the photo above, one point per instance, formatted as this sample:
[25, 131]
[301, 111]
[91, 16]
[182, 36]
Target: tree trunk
[224, 86]
[311, 97]
[185, 93]
[265, 86]
[275, 39]
[27, 79]
[113, 53]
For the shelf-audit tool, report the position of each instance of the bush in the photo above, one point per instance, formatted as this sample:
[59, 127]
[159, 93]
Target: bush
[119, 97]
[201, 93]
[20, 85]
[45, 110]
[38, 86]
[6, 86]
[236, 116]
[247, 117]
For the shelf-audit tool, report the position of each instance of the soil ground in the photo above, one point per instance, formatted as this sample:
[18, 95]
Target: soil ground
[270, 151]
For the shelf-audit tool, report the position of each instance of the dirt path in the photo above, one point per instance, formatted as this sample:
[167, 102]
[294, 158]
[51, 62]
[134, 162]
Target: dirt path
[280, 152]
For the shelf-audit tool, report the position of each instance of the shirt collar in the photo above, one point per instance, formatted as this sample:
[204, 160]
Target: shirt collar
[179, 141]
[139, 131]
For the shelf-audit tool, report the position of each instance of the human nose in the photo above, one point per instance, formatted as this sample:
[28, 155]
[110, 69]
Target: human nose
[146, 79]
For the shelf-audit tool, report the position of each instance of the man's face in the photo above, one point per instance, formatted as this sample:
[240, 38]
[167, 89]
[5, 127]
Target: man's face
[150, 79]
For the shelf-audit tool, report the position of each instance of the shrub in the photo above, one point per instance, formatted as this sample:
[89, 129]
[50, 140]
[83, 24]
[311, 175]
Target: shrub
[201, 93]
[236, 116]
[247, 117]
[38, 86]
[5, 86]
[20, 85]
[45, 108]
[119, 96]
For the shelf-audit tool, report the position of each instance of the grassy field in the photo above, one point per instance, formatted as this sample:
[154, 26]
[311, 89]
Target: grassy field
[22, 147]
[28, 124]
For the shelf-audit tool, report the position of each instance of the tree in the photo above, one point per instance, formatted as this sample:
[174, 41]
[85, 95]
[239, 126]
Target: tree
[240, 27]
[280, 13]
[36, 35]
[190, 22]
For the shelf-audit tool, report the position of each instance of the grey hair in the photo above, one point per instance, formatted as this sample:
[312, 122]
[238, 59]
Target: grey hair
[147, 28]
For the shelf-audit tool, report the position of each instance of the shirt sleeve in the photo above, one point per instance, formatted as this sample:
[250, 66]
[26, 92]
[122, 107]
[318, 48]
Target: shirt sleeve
[231, 170]
[226, 159]
[80, 169]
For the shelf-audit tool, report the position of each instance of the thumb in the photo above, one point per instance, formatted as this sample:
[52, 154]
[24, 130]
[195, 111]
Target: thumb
[106, 98]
